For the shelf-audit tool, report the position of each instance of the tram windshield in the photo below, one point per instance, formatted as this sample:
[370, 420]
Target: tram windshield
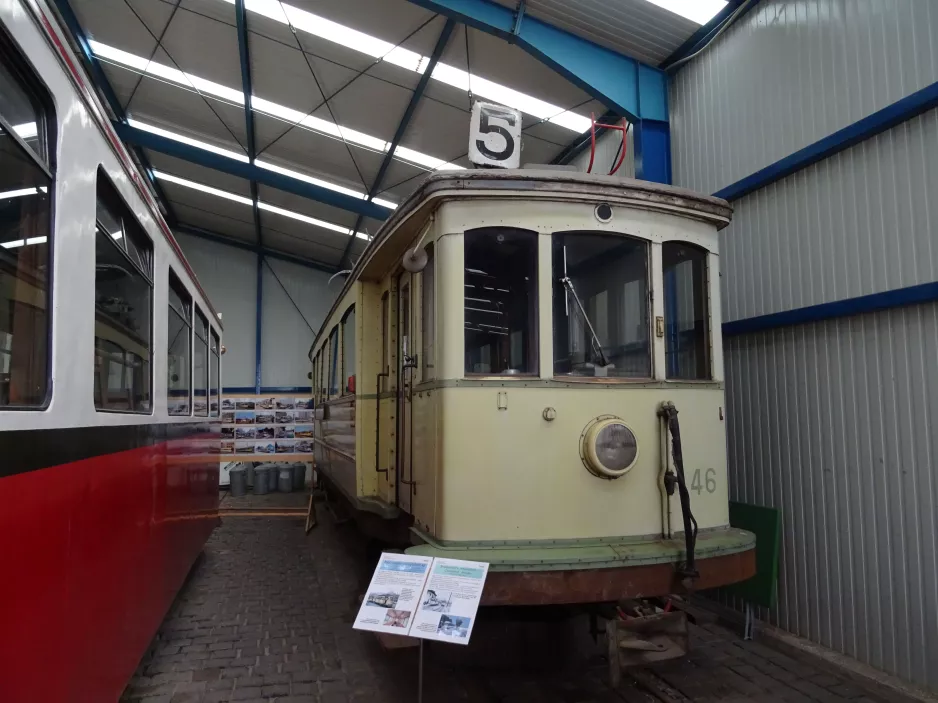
[600, 300]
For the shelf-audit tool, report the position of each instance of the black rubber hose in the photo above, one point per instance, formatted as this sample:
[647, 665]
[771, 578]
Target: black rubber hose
[689, 568]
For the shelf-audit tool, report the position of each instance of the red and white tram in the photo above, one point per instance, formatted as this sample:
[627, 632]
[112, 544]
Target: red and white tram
[109, 386]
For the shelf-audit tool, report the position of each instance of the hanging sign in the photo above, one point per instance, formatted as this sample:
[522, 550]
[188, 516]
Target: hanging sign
[495, 136]
[425, 597]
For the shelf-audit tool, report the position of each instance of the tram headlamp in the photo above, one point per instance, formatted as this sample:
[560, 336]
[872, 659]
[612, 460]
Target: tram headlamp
[609, 448]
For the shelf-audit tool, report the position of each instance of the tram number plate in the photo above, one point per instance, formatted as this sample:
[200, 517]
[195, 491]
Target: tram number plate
[495, 136]
[708, 482]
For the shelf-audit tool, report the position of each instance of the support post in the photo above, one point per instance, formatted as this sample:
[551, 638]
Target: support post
[258, 323]
[652, 140]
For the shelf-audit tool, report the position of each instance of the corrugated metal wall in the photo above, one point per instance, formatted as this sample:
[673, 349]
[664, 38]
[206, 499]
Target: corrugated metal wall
[229, 276]
[791, 72]
[834, 422]
[607, 152]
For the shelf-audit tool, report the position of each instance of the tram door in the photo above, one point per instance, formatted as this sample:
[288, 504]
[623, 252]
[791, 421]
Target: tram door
[407, 362]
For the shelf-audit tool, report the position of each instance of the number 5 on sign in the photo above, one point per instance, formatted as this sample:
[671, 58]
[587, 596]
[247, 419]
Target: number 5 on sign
[495, 136]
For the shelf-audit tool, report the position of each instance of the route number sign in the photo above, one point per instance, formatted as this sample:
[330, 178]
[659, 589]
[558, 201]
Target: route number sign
[495, 136]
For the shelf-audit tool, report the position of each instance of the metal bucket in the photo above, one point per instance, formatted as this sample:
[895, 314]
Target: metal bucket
[285, 482]
[261, 484]
[299, 477]
[250, 474]
[238, 479]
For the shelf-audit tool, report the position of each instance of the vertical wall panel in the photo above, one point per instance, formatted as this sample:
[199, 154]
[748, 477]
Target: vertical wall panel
[860, 222]
[288, 334]
[836, 424]
[791, 72]
[607, 151]
[229, 277]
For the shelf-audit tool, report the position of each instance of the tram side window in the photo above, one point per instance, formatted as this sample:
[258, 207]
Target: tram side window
[600, 305]
[200, 367]
[25, 236]
[314, 378]
[334, 363]
[123, 306]
[500, 301]
[179, 348]
[348, 352]
[214, 374]
[686, 311]
[324, 372]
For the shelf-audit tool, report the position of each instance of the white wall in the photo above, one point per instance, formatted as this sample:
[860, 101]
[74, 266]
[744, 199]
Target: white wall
[229, 277]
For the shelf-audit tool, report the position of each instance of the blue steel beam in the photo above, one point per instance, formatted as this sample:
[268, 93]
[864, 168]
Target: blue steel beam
[630, 87]
[223, 240]
[245, 56]
[99, 78]
[438, 50]
[249, 172]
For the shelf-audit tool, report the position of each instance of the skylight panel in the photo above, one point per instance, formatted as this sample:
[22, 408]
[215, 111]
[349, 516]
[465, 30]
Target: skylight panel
[27, 130]
[247, 201]
[175, 136]
[21, 192]
[699, 11]
[315, 124]
[412, 61]
[325, 184]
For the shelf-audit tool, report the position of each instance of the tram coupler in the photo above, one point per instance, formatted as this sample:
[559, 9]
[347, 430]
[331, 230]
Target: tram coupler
[644, 638]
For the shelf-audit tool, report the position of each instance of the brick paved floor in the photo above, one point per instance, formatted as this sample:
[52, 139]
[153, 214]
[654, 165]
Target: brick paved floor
[266, 616]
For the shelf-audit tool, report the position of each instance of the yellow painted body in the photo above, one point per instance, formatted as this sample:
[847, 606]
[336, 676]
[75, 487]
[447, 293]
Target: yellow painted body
[472, 458]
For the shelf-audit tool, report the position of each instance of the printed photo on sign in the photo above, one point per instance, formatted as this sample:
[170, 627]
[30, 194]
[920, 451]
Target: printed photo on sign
[284, 417]
[227, 432]
[303, 416]
[387, 599]
[286, 403]
[266, 403]
[285, 447]
[303, 446]
[284, 432]
[244, 404]
[263, 418]
[226, 448]
[397, 618]
[245, 433]
[201, 407]
[264, 448]
[265, 432]
[244, 417]
[228, 417]
[437, 602]
[228, 403]
[304, 403]
[303, 431]
[244, 447]
[454, 626]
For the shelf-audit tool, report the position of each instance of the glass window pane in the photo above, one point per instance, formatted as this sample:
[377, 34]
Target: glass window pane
[600, 304]
[429, 315]
[179, 356]
[25, 207]
[334, 362]
[214, 381]
[123, 300]
[348, 352]
[501, 301]
[22, 112]
[686, 311]
[200, 365]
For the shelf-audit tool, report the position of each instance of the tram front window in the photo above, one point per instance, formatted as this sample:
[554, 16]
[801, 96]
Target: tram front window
[501, 301]
[600, 301]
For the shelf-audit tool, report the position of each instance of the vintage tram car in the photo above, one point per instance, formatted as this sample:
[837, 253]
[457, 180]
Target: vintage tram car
[500, 380]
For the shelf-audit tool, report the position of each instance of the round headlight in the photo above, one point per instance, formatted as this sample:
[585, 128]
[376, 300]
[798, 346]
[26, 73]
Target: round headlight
[609, 448]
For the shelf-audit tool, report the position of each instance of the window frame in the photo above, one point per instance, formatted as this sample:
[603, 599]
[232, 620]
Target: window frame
[704, 291]
[332, 388]
[198, 316]
[214, 360]
[535, 332]
[29, 78]
[170, 311]
[428, 315]
[343, 377]
[149, 277]
[649, 309]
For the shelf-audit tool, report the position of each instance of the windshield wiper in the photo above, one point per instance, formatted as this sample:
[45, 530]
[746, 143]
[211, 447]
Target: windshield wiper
[597, 345]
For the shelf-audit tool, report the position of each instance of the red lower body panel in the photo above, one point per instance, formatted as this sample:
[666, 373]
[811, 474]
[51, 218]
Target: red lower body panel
[92, 553]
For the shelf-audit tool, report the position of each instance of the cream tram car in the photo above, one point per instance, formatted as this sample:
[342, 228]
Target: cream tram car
[500, 377]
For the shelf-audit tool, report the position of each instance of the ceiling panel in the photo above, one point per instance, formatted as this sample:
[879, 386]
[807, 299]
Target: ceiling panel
[305, 206]
[370, 106]
[295, 237]
[215, 220]
[204, 47]
[113, 22]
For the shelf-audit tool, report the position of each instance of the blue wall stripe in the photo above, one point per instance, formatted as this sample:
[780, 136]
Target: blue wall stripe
[912, 295]
[897, 113]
